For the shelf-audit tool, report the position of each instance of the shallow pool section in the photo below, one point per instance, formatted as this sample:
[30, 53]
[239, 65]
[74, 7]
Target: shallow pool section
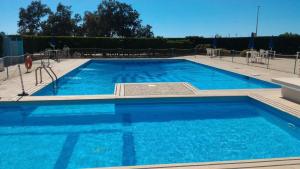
[100, 77]
[142, 132]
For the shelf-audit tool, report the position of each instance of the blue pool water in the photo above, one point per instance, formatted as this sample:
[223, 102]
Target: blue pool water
[99, 77]
[140, 132]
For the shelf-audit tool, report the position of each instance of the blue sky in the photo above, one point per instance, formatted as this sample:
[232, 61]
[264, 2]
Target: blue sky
[180, 18]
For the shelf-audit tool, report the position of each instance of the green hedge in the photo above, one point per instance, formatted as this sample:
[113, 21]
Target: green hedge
[39, 43]
[285, 45]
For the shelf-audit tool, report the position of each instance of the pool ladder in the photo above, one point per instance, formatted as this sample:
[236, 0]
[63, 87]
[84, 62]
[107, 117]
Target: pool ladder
[49, 71]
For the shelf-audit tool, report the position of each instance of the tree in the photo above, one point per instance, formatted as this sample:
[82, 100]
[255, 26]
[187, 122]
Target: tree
[31, 18]
[78, 27]
[111, 19]
[61, 23]
[115, 19]
[92, 24]
[145, 32]
[289, 34]
[218, 36]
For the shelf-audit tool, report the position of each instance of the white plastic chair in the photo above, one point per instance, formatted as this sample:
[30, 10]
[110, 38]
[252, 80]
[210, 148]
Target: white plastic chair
[209, 51]
[252, 56]
[264, 54]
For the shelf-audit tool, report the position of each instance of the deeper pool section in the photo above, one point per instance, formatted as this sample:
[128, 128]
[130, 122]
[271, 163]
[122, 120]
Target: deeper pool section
[141, 132]
[100, 76]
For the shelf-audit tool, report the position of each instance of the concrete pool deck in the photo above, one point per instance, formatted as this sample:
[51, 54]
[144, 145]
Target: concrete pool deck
[10, 88]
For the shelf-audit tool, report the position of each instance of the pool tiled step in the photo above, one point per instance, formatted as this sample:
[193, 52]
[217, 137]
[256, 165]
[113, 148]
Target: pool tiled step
[278, 105]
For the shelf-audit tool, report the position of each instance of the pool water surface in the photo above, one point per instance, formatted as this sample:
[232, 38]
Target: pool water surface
[89, 134]
[100, 76]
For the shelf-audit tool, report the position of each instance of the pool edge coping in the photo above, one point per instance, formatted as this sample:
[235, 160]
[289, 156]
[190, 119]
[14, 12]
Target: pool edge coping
[234, 164]
[199, 94]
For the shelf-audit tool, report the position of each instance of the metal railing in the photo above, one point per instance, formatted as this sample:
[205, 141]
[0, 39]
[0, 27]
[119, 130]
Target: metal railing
[274, 61]
[14, 67]
[8, 66]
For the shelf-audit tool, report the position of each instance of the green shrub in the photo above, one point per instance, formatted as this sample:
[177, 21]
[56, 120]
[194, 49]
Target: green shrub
[39, 43]
[201, 48]
[285, 45]
[225, 52]
[179, 44]
[243, 53]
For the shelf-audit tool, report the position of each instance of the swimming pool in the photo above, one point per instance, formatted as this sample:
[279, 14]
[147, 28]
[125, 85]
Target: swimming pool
[100, 76]
[82, 134]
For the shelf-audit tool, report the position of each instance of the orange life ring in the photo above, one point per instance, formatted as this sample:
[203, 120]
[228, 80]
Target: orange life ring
[28, 62]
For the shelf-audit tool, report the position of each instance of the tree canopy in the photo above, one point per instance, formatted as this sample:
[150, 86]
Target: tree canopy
[61, 23]
[31, 18]
[289, 34]
[111, 19]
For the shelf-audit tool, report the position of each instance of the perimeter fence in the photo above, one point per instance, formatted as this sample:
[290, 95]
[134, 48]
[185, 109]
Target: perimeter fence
[266, 59]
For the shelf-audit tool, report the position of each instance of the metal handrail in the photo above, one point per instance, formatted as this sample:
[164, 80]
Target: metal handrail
[45, 68]
[36, 76]
[53, 76]
[52, 72]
